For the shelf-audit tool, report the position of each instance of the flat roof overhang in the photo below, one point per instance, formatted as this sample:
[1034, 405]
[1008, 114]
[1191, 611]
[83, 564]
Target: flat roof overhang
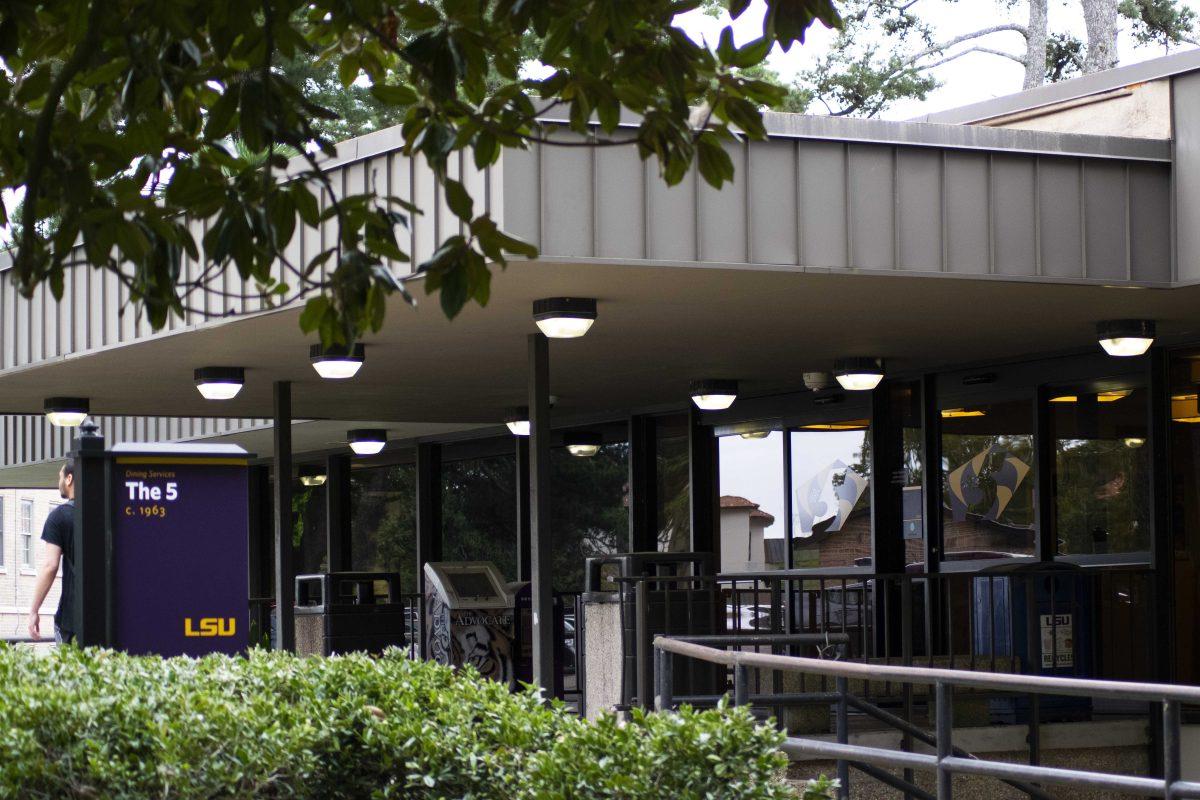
[658, 328]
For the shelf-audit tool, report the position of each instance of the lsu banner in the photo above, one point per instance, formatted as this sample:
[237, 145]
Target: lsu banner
[180, 530]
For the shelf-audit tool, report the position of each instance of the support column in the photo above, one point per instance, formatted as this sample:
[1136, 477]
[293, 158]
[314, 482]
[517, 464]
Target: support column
[91, 521]
[1162, 541]
[643, 485]
[542, 595]
[429, 510]
[1044, 458]
[260, 548]
[704, 488]
[887, 542]
[429, 523]
[524, 566]
[285, 573]
[931, 473]
[337, 512]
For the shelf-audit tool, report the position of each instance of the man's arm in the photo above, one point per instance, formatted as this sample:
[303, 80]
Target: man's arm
[51, 555]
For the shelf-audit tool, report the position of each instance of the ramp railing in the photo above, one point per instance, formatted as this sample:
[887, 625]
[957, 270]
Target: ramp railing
[946, 760]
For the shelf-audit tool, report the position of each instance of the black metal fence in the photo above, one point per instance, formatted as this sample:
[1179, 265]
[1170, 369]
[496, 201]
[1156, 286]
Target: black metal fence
[1035, 619]
[946, 760]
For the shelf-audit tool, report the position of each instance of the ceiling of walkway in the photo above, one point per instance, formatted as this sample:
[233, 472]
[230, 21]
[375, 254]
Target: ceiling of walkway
[658, 328]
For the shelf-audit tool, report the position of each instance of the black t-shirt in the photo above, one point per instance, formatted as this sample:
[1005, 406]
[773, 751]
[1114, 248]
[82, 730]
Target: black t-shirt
[60, 530]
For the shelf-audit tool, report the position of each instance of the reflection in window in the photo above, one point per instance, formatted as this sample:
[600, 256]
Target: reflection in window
[673, 490]
[308, 529]
[752, 530]
[1103, 471]
[479, 512]
[831, 500]
[383, 530]
[589, 510]
[988, 480]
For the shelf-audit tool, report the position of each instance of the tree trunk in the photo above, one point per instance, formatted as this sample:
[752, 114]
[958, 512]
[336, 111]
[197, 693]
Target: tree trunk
[1100, 17]
[1035, 50]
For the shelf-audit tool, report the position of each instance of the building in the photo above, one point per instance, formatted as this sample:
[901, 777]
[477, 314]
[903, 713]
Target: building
[23, 513]
[743, 535]
[959, 275]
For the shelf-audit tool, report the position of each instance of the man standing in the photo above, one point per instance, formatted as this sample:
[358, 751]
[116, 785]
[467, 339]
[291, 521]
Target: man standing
[59, 536]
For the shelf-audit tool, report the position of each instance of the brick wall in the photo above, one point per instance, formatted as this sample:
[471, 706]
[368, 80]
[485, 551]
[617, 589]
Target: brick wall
[16, 578]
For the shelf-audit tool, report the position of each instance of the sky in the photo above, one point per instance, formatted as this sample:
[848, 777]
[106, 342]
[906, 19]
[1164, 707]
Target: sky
[974, 77]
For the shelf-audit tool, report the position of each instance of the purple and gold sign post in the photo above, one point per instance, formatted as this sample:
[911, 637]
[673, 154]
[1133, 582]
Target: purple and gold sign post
[179, 549]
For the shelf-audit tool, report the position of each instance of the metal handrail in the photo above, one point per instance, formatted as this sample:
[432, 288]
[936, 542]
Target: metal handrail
[931, 676]
[946, 760]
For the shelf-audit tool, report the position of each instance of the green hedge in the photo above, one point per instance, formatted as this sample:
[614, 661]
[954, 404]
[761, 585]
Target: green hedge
[97, 724]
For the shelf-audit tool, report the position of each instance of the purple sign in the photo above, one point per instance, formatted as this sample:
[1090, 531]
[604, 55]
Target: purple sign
[179, 554]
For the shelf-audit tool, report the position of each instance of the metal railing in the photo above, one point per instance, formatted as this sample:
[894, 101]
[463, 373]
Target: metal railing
[946, 760]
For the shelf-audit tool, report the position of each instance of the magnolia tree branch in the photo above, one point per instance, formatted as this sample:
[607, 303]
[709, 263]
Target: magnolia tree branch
[40, 147]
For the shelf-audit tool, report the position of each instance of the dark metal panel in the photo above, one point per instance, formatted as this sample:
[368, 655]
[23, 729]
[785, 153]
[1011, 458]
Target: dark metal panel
[1162, 537]
[522, 193]
[285, 629]
[771, 173]
[872, 206]
[1150, 223]
[822, 204]
[1105, 198]
[524, 540]
[967, 213]
[670, 217]
[90, 531]
[919, 208]
[1014, 214]
[620, 203]
[721, 214]
[1061, 222]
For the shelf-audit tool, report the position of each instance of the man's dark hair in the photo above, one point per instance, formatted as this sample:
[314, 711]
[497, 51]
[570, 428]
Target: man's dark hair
[68, 469]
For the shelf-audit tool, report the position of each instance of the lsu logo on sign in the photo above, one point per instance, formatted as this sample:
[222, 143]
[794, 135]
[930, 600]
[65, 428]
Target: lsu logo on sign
[210, 626]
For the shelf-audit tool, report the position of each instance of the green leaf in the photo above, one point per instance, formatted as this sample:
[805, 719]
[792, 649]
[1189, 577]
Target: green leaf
[458, 199]
[393, 94]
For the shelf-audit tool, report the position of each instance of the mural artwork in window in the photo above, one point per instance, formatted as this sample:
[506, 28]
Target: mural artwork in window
[988, 480]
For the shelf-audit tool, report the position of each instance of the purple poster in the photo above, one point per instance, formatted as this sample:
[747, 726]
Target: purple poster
[179, 554]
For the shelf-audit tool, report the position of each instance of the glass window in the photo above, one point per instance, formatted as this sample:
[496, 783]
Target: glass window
[1102, 471]
[988, 480]
[383, 531]
[752, 496]
[25, 530]
[831, 499]
[674, 481]
[479, 512]
[308, 529]
[589, 511]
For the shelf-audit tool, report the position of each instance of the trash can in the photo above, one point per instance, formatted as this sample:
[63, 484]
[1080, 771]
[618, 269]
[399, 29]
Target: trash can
[1040, 614]
[473, 616]
[618, 661]
[343, 612]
